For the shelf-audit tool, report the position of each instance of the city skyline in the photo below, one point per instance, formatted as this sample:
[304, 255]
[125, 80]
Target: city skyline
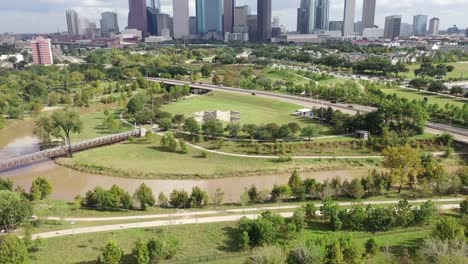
[52, 17]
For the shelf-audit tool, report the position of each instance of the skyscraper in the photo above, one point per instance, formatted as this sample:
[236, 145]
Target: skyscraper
[307, 17]
[322, 12]
[434, 26]
[406, 30]
[181, 18]
[229, 7]
[348, 17]
[137, 18]
[392, 27]
[73, 23]
[336, 26]
[193, 25]
[276, 22]
[368, 14]
[209, 16]
[154, 4]
[165, 25]
[241, 14]
[42, 51]
[109, 23]
[252, 25]
[420, 25]
[263, 20]
[152, 20]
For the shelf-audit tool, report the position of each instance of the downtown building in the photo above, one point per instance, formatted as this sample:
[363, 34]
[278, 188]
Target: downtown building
[368, 14]
[228, 16]
[264, 20]
[73, 23]
[109, 24]
[137, 16]
[434, 26]
[420, 25]
[241, 17]
[313, 15]
[210, 18]
[392, 27]
[181, 19]
[348, 18]
[42, 51]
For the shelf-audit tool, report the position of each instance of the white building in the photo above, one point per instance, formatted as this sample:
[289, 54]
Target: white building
[373, 33]
[181, 19]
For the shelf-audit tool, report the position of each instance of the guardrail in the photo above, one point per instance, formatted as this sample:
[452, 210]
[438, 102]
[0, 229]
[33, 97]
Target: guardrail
[63, 150]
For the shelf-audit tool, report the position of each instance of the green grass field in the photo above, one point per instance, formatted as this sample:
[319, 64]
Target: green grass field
[441, 100]
[141, 160]
[198, 243]
[253, 110]
[461, 69]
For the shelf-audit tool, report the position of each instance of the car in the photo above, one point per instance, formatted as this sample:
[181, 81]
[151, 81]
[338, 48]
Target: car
[200, 83]
[350, 106]
[333, 102]
[254, 94]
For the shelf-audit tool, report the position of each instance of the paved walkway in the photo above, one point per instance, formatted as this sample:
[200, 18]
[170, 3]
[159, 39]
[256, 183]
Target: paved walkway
[203, 220]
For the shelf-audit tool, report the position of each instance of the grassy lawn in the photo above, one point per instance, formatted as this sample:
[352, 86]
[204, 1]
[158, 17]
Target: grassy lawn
[253, 110]
[142, 160]
[198, 243]
[92, 125]
[441, 100]
[460, 67]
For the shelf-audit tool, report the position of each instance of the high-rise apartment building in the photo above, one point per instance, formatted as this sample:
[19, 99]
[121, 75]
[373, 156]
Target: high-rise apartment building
[263, 20]
[137, 18]
[73, 23]
[368, 14]
[109, 23]
[322, 13]
[241, 14]
[420, 25]
[348, 17]
[209, 16]
[434, 26]
[181, 18]
[229, 7]
[392, 27]
[42, 51]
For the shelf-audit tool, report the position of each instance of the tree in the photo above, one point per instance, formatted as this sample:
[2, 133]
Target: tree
[298, 219]
[233, 129]
[14, 210]
[245, 241]
[305, 253]
[404, 163]
[162, 200]
[178, 119]
[218, 196]
[6, 184]
[294, 127]
[111, 254]
[179, 199]
[309, 132]
[162, 248]
[198, 197]
[40, 189]
[456, 90]
[448, 228]
[437, 87]
[140, 252]
[297, 185]
[371, 246]
[191, 126]
[206, 70]
[464, 207]
[267, 255]
[355, 189]
[216, 79]
[144, 195]
[213, 128]
[169, 142]
[137, 103]
[334, 253]
[13, 250]
[418, 83]
[12, 59]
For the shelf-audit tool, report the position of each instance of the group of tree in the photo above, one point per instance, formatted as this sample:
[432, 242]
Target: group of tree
[182, 199]
[117, 198]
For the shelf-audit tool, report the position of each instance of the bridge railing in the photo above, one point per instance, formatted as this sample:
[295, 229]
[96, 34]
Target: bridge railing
[62, 150]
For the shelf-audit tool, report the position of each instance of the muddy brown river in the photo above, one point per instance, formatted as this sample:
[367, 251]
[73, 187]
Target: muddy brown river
[17, 139]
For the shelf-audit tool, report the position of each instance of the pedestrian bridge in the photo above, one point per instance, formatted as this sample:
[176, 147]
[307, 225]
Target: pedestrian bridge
[63, 150]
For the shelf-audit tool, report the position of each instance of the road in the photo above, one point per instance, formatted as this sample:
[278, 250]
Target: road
[193, 217]
[460, 134]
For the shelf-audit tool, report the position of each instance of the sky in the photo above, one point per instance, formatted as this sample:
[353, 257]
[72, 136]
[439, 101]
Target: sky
[46, 16]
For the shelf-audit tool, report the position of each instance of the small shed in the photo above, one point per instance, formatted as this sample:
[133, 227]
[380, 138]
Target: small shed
[362, 134]
[305, 112]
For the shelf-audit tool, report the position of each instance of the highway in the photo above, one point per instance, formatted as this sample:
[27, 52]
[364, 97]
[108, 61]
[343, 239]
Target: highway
[460, 134]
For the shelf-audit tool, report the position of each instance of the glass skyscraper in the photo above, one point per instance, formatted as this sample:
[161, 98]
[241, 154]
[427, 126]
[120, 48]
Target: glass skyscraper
[209, 16]
[420, 25]
[321, 14]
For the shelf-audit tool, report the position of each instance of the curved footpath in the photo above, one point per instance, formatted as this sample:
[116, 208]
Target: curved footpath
[192, 218]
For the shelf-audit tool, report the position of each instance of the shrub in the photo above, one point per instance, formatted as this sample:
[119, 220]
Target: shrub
[13, 250]
[179, 199]
[267, 254]
[111, 254]
[40, 189]
[144, 195]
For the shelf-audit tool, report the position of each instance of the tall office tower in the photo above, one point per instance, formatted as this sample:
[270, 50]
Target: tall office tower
[165, 24]
[322, 13]
[263, 20]
[336, 26]
[137, 16]
[307, 17]
[252, 24]
[358, 27]
[109, 24]
[73, 23]
[348, 17]
[420, 25]
[152, 19]
[193, 25]
[241, 14]
[154, 4]
[434, 26]
[392, 27]
[229, 7]
[368, 14]
[42, 51]
[209, 16]
[90, 30]
[181, 18]
[276, 22]
[406, 30]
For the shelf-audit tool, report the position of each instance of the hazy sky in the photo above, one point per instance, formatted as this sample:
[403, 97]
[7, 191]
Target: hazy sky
[43, 16]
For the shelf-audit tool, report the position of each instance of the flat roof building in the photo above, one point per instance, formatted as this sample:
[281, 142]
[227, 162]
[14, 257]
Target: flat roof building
[42, 51]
